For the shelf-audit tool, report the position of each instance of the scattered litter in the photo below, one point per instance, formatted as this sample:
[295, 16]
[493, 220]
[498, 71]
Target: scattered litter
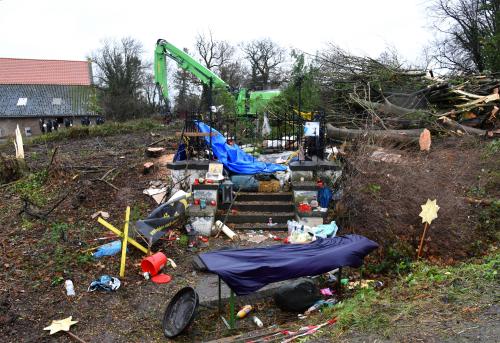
[325, 230]
[362, 284]
[257, 322]
[161, 278]
[109, 249]
[158, 194]
[105, 283]
[270, 222]
[70, 289]
[242, 313]
[227, 231]
[254, 238]
[102, 214]
[319, 304]
[154, 263]
[327, 292]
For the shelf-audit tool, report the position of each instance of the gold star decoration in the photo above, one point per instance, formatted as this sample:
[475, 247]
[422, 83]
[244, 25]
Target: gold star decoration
[429, 211]
[60, 325]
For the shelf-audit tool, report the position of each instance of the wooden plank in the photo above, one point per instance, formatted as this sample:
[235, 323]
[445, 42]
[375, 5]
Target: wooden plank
[196, 134]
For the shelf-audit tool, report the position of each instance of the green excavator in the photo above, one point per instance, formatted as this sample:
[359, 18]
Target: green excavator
[248, 103]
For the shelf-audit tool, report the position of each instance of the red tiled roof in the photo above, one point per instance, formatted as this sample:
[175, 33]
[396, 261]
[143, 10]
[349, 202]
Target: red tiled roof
[16, 71]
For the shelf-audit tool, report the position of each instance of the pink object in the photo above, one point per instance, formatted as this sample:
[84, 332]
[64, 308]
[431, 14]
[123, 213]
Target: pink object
[161, 278]
[326, 292]
[154, 263]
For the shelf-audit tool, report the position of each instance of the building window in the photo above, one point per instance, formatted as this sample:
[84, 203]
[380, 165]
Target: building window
[22, 101]
[1, 133]
[27, 131]
[56, 101]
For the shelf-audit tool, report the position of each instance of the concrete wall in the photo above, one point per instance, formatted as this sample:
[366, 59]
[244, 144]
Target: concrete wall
[8, 125]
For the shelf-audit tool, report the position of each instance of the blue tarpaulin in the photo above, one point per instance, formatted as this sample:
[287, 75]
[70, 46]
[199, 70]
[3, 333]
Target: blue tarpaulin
[234, 158]
[247, 270]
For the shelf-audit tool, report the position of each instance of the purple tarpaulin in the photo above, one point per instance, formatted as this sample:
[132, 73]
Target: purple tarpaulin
[247, 270]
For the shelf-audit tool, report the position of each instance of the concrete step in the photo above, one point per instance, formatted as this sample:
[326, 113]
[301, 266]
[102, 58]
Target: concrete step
[251, 196]
[267, 206]
[260, 226]
[256, 217]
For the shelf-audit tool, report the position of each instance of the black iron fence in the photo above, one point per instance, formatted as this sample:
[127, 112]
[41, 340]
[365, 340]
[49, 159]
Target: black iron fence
[269, 133]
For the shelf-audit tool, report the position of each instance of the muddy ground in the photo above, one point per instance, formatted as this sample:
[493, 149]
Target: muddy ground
[381, 200]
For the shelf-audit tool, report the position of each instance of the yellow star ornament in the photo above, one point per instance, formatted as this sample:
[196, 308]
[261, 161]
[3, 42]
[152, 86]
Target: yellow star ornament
[60, 325]
[429, 211]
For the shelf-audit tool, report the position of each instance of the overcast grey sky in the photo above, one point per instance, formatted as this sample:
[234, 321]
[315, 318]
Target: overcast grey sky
[72, 29]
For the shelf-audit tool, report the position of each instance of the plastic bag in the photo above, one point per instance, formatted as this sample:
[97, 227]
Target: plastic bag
[325, 230]
[266, 128]
[109, 249]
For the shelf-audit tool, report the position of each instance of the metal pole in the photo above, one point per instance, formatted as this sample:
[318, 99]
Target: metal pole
[220, 298]
[211, 121]
[232, 316]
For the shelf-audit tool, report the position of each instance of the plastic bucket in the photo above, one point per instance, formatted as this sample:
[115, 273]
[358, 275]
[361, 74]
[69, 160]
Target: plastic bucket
[154, 263]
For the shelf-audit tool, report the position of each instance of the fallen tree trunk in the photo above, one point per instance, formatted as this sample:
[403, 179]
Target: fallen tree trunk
[397, 136]
[451, 124]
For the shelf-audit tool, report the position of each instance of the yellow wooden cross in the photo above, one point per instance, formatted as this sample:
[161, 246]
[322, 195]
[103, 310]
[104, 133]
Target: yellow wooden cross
[125, 240]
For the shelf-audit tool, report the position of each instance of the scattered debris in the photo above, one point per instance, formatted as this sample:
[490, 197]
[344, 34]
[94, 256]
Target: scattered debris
[105, 283]
[242, 313]
[102, 214]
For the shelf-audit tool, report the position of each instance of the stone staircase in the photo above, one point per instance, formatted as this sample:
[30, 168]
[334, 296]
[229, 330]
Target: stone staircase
[251, 211]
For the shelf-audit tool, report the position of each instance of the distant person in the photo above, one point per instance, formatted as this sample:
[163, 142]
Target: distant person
[41, 122]
[49, 126]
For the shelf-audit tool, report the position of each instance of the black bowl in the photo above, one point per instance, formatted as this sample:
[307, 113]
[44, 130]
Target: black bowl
[180, 312]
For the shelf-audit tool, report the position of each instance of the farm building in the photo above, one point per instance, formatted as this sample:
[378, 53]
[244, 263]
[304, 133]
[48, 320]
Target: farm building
[42, 94]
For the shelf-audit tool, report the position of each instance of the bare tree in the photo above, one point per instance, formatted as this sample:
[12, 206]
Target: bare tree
[265, 57]
[218, 56]
[120, 75]
[185, 83]
[471, 39]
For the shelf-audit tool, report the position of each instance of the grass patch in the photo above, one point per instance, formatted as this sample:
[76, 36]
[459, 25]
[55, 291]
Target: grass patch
[492, 148]
[32, 188]
[425, 289]
[106, 129]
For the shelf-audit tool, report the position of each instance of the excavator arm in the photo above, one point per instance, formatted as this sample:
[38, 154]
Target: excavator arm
[165, 49]
[247, 102]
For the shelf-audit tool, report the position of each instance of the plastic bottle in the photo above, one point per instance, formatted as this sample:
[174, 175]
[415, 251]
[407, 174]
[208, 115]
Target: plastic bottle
[244, 311]
[257, 321]
[70, 289]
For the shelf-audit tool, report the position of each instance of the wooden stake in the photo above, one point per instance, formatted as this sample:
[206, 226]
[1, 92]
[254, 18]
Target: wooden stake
[421, 245]
[124, 243]
[75, 337]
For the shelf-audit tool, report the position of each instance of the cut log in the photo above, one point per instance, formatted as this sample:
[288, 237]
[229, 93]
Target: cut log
[154, 152]
[398, 136]
[148, 167]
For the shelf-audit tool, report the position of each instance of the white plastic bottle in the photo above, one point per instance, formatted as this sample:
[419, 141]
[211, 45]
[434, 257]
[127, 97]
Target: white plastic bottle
[257, 321]
[70, 289]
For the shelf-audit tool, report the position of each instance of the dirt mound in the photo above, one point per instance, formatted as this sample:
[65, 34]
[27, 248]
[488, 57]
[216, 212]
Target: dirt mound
[384, 188]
